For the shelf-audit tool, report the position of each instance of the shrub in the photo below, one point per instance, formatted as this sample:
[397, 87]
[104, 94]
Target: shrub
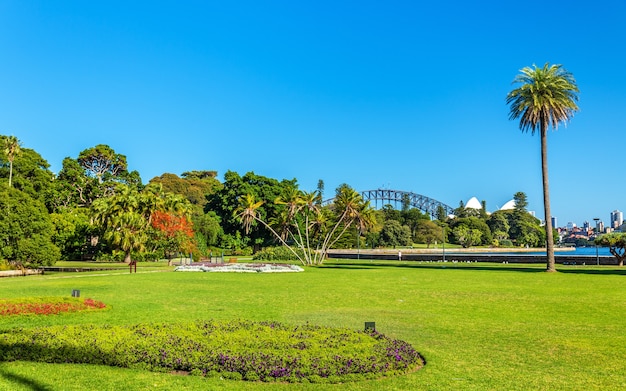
[506, 243]
[280, 253]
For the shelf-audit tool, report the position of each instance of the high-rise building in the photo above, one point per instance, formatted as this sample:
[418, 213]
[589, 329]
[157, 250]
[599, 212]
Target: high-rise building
[617, 218]
[554, 222]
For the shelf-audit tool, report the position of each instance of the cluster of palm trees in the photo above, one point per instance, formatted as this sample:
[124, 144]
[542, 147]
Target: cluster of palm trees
[307, 228]
[125, 217]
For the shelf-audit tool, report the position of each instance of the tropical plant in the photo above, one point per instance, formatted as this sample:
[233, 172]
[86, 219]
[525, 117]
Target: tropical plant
[305, 225]
[125, 217]
[11, 149]
[547, 96]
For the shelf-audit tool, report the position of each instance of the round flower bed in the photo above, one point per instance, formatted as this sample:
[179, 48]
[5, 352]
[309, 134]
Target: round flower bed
[239, 350]
[239, 268]
[47, 306]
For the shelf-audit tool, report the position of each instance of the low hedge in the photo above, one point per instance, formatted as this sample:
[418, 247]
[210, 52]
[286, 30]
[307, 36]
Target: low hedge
[239, 350]
[281, 253]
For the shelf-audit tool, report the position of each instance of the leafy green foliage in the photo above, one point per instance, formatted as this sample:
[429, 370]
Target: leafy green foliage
[25, 230]
[265, 351]
[394, 234]
[195, 186]
[616, 242]
[225, 201]
[280, 253]
[478, 231]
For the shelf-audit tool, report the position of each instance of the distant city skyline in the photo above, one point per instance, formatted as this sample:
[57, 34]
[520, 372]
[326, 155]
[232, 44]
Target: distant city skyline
[408, 95]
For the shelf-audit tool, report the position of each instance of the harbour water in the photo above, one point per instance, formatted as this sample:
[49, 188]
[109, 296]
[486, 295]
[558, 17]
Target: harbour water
[602, 251]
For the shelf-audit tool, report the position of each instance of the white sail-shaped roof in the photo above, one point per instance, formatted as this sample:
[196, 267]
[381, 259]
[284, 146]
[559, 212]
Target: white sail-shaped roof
[509, 205]
[473, 203]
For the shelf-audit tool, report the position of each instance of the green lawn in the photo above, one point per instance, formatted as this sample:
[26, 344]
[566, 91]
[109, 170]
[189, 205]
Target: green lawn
[480, 327]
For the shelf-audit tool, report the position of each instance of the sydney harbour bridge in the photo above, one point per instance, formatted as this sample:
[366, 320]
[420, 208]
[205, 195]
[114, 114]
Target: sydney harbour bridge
[398, 197]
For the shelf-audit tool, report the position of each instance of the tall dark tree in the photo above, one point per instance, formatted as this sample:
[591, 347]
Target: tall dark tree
[546, 97]
[11, 149]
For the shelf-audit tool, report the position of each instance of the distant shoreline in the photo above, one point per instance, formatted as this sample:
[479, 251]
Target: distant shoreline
[457, 250]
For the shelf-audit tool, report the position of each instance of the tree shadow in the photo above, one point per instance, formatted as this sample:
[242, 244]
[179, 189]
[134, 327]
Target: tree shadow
[23, 381]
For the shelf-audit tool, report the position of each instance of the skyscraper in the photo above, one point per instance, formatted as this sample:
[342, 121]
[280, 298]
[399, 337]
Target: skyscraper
[617, 218]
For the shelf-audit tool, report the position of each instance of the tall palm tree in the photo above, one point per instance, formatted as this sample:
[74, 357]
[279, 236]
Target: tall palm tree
[11, 149]
[547, 96]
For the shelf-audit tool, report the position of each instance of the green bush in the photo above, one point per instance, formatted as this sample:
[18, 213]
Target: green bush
[506, 243]
[281, 253]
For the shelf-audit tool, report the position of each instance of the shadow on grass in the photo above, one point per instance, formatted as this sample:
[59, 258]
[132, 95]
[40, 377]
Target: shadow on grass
[23, 381]
[538, 268]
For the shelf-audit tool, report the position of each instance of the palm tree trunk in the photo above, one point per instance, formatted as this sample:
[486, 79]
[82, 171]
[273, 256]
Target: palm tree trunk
[10, 171]
[550, 267]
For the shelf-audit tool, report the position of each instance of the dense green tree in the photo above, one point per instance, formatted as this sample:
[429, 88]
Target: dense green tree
[123, 218]
[96, 173]
[395, 234]
[428, 232]
[208, 229]
[499, 225]
[547, 96]
[461, 211]
[521, 202]
[72, 233]
[31, 174]
[441, 214]
[412, 218]
[195, 186]
[25, 230]
[103, 163]
[391, 213]
[226, 200]
[466, 236]
[525, 230]
[320, 190]
[474, 223]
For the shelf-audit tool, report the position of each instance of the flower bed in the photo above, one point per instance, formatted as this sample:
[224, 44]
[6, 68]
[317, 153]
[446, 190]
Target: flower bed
[239, 268]
[239, 350]
[47, 306]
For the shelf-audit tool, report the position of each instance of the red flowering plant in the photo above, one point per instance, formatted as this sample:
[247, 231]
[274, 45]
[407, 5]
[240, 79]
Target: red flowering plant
[174, 233]
[47, 306]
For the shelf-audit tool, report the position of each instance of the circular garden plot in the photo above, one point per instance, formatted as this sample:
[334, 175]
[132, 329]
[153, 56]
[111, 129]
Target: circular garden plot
[239, 268]
[239, 350]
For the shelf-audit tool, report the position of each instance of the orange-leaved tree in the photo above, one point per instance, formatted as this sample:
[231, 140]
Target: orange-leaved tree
[174, 232]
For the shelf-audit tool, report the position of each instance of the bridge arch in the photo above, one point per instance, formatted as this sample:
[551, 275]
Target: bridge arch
[421, 202]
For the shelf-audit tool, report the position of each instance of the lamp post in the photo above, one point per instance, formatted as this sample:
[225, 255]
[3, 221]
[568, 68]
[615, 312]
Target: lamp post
[358, 244]
[443, 242]
[596, 219]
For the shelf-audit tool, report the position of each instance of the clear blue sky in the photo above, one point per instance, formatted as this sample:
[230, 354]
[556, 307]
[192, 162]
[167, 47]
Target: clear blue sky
[400, 94]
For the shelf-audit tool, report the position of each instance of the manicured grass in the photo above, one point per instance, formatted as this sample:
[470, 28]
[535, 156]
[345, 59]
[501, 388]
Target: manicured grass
[479, 326]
